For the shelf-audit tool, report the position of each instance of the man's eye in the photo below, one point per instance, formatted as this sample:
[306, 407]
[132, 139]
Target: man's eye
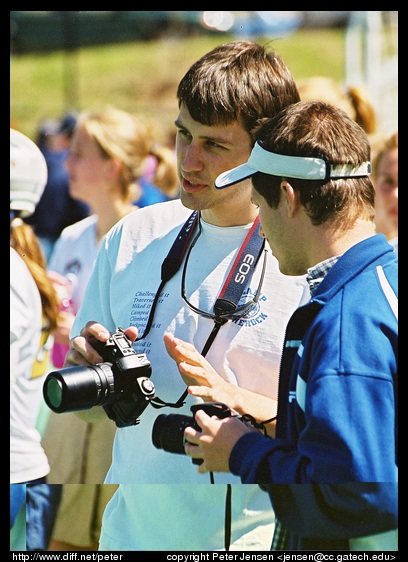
[183, 133]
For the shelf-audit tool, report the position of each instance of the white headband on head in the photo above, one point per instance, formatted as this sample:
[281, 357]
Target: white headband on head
[262, 160]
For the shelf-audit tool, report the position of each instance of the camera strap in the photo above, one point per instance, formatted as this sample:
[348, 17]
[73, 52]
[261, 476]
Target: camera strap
[172, 263]
[237, 280]
[239, 277]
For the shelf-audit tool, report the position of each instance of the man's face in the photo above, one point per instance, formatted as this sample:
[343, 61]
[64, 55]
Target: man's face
[386, 197]
[280, 230]
[204, 152]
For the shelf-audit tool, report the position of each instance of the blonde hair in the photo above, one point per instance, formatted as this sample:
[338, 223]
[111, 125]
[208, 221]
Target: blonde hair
[24, 240]
[381, 148]
[130, 139]
[354, 100]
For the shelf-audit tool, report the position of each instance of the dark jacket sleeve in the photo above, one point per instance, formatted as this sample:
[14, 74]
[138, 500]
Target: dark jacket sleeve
[351, 510]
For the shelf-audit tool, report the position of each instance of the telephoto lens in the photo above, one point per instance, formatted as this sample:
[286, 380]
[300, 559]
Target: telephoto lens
[168, 432]
[79, 388]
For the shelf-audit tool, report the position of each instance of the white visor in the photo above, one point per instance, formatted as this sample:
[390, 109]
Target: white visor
[262, 160]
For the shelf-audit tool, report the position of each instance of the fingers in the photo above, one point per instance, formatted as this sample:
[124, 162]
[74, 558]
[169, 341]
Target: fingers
[81, 353]
[200, 445]
[191, 436]
[191, 356]
[73, 357]
[180, 350]
[81, 350]
[195, 372]
[205, 392]
[192, 449]
[204, 421]
[202, 469]
[170, 344]
[94, 330]
[131, 333]
[184, 345]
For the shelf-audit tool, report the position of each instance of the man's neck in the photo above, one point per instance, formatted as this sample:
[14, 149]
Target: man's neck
[237, 217]
[328, 244]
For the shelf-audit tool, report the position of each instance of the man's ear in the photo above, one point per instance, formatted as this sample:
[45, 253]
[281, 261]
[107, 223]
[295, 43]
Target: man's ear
[289, 197]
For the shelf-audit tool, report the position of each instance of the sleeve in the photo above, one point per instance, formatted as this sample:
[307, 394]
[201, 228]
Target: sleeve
[341, 426]
[354, 509]
[347, 439]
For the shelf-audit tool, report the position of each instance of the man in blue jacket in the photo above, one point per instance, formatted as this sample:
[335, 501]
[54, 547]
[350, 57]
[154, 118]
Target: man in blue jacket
[331, 468]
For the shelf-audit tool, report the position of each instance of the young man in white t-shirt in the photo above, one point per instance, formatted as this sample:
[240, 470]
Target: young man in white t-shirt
[162, 503]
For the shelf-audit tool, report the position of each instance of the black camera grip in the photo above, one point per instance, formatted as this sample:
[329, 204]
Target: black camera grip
[211, 409]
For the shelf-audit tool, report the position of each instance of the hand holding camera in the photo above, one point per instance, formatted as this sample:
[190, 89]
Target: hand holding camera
[210, 446]
[168, 431]
[121, 384]
[198, 437]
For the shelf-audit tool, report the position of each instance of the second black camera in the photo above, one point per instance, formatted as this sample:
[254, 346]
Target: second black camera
[168, 431]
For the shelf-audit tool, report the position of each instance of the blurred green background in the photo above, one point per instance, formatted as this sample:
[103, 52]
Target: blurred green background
[142, 76]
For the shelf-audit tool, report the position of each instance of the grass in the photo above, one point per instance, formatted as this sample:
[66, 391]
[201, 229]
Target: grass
[142, 77]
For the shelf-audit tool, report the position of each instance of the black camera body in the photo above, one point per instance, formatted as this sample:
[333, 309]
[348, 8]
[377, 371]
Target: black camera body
[121, 384]
[168, 431]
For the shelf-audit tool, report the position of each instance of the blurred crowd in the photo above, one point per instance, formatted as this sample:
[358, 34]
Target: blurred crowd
[80, 197]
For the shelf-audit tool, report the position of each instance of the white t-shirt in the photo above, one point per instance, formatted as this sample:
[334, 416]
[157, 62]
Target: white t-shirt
[74, 255]
[246, 352]
[27, 457]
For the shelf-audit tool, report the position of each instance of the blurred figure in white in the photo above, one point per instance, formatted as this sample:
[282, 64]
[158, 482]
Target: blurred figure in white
[34, 310]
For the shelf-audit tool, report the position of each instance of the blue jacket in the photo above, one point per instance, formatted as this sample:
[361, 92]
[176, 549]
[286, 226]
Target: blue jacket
[337, 406]
[352, 516]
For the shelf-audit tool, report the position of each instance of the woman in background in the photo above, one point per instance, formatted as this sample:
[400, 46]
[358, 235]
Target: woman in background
[110, 153]
[354, 100]
[385, 179]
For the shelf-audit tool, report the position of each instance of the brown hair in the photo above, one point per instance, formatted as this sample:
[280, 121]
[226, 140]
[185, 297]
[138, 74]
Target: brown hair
[238, 81]
[319, 130]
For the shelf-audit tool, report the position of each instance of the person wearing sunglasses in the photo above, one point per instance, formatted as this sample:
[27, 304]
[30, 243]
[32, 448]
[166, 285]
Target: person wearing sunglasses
[197, 268]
